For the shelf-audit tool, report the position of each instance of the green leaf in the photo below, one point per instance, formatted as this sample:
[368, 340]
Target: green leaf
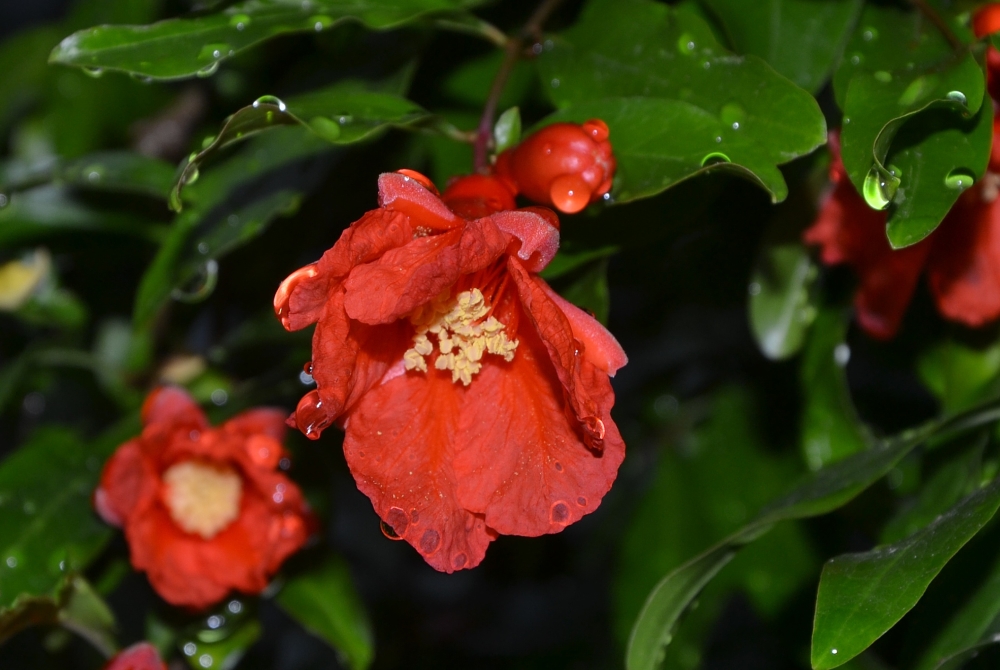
[901, 70]
[590, 291]
[197, 44]
[346, 112]
[86, 614]
[676, 102]
[960, 376]
[831, 429]
[507, 131]
[47, 528]
[975, 625]
[221, 652]
[821, 492]
[801, 39]
[211, 227]
[780, 305]
[24, 67]
[861, 596]
[566, 260]
[324, 601]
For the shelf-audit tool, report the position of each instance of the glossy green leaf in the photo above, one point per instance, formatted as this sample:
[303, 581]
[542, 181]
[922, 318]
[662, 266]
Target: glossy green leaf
[208, 229]
[197, 44]
[801, 39]
[821, 492]
[960, 376]
[23, 62]
[901, 70]
[507, 131]
[221, 651]
[567, 259]
[975, 625]
[47, 526]
[861, 596]
[676, 101]
[780, 304]
[830, 428]
[114, 171]
[590, 291]
[343, 113]
[325, 602]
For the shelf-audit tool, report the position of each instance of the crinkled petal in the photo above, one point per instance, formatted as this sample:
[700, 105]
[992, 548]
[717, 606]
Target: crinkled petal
[400, 193]
[268, 421]
[538, 236]
[141, 656]
[171, 405]
[964, 268]
[399, 446]
[128, 483]
[602, 349]
[521, 459]
[565, 350]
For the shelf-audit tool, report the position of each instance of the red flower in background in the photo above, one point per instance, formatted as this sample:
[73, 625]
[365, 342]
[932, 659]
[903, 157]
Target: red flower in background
[565, 165]
[141, 656]
[475, 400]
[204, 509]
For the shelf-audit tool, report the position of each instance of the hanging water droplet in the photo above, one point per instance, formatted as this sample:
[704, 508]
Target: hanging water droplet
[93, 71]
[959, 97]
[879, 188]
[208, 70]
[201, 286]
[325, 128]
[141, 78]
[714, 158]
[959, 179]
[388, 531]
[269, 100]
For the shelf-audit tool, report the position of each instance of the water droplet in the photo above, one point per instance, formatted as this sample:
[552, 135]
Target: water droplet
[883, 76]
[235, 606]
[213, 51]
[215, 621]
[344, 119]
[706, 65]
[11, 562]
[754, 288]
[141, 78]
[239, 21]
[269, 100]
[459, 561]
[201, 286]
[319, 23]
[570, 193]
[554, 83]
[219, 397]
[732, 115]
[559, 513]
[841, 354]
[388, 531]
[327, 129]
[714, 158]
[208, 70]
[430, 541]
[959, 179]
[93, 71]
[398, 520]
[847, 120]
[879, 188]
[190, 649]
[202, 248]
[205, 661]
[3, 200]
[310, 416]
[94, 176]
[959, 97]
[581, 501]
[558, 466]
[856, 59]
[869, 34]
[686, 44]
[833, 651]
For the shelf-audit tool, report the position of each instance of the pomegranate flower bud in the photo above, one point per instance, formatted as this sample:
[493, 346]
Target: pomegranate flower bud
[565, 165]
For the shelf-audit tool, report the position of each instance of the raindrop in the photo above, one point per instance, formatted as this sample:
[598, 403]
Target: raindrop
[718, 139]
[214, 621]
[205, 661]
[269, 100]
[11, 561]
[388, 531]
[29, 507]
[430, 541]
[398, 520]
[325, 128]
[554, 83]
[93, 71]
[190, 649]
[235, 606]
[957, 96]
[581, 501]
[537, 48]
[869, 34]
[841, 354]
[459, 561]
[207, 142]
[686, 44]
[219, 397]
[208, 70]
[570, 193]
[959, 179]
[714, 158]
[879, 188]
[239, 21]
[344, 119]
[213, 51]
[754, 288]
[285, 463]
[736, 125]
[883, 76]
[732, 115]
[856, 59]
[233, 220]
[306, 379]
[559, 513]
[93, 176]
[833, 651]
[321, 22]
[193, 175]
[202, 285]
[202, 248]
[706, 65]
[141, 78]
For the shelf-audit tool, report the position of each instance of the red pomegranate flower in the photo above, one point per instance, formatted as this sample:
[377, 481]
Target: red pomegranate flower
[566, 165]
[141, 656]
[475, 400]
[962, 257]
[204, 509]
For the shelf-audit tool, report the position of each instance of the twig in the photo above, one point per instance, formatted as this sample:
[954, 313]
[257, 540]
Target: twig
[512, 52]
[939, 23]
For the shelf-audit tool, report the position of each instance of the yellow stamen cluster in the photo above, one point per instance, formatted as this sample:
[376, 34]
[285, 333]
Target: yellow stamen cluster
[202, 498]
[462, 336]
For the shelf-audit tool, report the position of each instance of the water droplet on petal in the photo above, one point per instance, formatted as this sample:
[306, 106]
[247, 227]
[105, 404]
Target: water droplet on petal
[388, 531]
[596, 129]
[559, 513]
[429, 541]
[558, 466]
[459, 561]
[310, 416]
[569, 193]
[414, 516]
[398, 519]
[581, 501]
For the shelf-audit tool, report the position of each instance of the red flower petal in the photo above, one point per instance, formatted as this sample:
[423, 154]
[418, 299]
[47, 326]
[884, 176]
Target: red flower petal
[141, 656]
[258, 421]
[399, 447]
[128, 482]
[400, 193]
[601, 348]
[539, 238]
[520, 457]
[169, 404]
[964, 268]
[565, 351]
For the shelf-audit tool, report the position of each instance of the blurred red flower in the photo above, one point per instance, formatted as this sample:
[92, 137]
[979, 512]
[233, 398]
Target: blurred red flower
[961, 257]
[565, 165]
[475, 400]
[141, 656]
[204, 509]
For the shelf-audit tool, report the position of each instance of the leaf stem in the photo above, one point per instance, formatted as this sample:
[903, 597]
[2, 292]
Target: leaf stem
[924, 8]
[512, 52]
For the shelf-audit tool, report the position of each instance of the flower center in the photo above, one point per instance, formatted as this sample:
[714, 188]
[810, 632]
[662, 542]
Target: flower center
[202, 498]
[463, 335]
